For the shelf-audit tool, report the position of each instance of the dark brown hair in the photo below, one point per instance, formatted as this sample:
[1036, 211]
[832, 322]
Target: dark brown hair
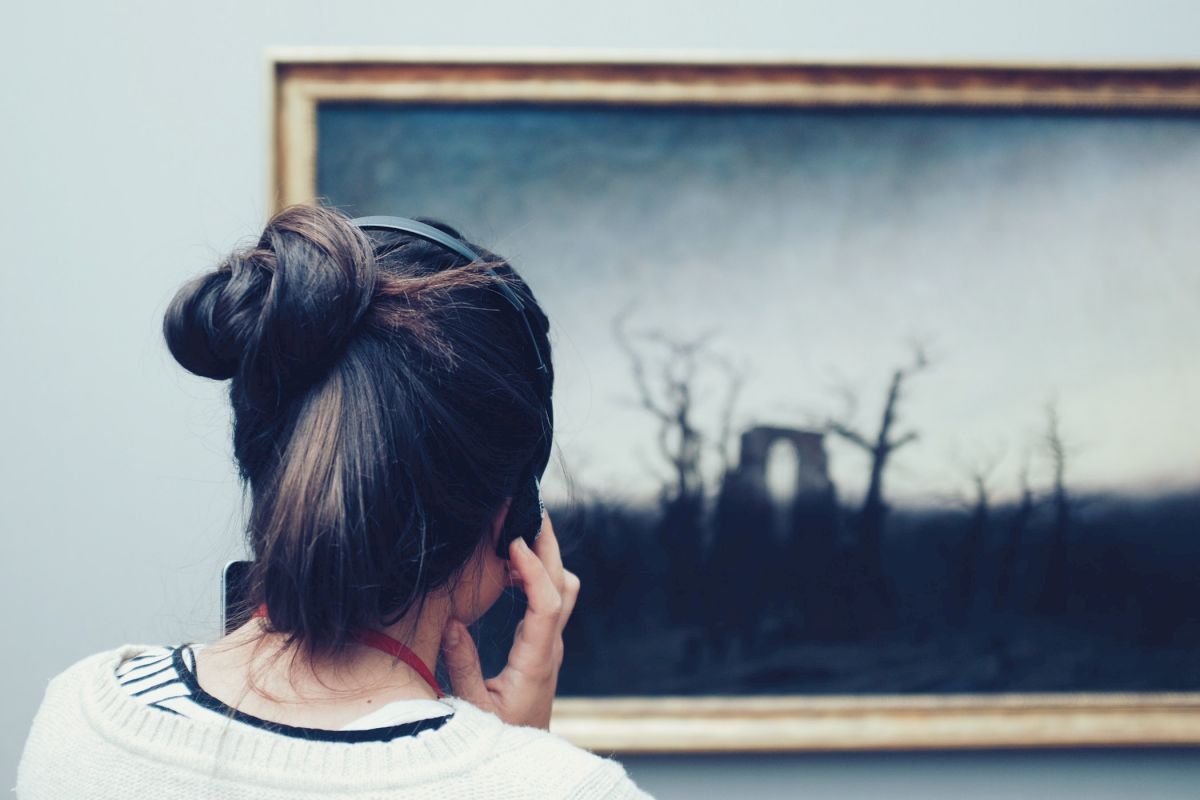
[384, 405]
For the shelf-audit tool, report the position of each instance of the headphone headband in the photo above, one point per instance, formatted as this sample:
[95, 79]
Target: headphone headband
[438, 236]
[421, 229]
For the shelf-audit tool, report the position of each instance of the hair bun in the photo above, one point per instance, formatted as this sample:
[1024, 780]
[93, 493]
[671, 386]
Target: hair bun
[276, 315]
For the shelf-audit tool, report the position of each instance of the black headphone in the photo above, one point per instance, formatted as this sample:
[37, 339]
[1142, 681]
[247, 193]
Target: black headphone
[527, 510]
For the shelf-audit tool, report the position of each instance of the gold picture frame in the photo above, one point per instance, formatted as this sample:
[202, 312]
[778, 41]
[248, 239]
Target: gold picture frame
[300, 80]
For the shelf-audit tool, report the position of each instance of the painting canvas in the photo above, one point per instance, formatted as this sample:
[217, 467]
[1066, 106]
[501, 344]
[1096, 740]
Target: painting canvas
[853, 401]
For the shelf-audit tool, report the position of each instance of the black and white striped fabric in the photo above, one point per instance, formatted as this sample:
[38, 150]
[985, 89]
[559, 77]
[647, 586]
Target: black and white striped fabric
[165, 678]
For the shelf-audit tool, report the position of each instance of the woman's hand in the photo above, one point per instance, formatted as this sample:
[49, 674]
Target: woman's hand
[523, 692]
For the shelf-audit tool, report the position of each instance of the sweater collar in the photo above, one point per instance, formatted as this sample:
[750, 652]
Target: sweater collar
[237, 752]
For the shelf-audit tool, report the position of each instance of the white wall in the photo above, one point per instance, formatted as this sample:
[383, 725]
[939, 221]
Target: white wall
[133, 154]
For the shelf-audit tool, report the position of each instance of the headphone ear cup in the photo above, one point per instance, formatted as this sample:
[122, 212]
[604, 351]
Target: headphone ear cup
[524, 518]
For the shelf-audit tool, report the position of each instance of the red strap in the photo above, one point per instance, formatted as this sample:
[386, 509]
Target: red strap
[393, 647]
[381, 641]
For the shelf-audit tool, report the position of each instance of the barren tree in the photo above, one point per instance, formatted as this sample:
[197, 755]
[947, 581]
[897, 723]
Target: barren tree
[681, 443]
[1012, 546]
[976, 533]
[1055, 592]
[880, 448]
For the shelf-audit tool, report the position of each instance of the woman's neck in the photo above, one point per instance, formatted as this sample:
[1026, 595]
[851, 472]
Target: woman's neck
[249, 670]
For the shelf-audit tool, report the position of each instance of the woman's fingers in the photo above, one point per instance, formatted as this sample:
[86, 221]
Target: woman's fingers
[523, 692]
[545, 546]
[540, 628]
[462, 662]
[570, 595]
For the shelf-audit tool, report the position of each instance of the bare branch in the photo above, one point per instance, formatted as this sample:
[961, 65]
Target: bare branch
[921, 359]
[670, 396]
[664, 443]
[850, 435]
[849, 398]
[1053, 442]
[639, 368]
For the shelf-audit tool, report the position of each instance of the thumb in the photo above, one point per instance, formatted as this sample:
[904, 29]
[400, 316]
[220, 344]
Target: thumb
[462, 663]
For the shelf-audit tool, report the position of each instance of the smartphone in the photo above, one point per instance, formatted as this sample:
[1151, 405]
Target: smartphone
[234, 585]
[524, 518]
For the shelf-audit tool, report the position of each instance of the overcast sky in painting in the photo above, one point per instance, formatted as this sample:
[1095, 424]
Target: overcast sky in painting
[1039, 258]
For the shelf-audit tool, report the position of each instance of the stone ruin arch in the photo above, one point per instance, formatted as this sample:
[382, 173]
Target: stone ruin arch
[812, 474]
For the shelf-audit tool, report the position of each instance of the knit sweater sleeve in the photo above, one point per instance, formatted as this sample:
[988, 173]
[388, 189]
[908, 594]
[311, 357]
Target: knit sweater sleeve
[608, 781]
[551, 766]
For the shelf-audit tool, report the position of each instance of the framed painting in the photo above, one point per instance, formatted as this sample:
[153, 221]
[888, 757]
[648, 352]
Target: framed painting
[877, 383]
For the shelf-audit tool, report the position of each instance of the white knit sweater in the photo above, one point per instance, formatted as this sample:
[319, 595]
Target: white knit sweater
[90, 739]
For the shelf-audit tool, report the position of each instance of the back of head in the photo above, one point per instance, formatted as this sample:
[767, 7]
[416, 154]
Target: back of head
[384, 406]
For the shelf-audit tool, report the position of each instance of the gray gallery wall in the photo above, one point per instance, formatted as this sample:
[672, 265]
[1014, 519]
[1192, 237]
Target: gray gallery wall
[133, 153]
